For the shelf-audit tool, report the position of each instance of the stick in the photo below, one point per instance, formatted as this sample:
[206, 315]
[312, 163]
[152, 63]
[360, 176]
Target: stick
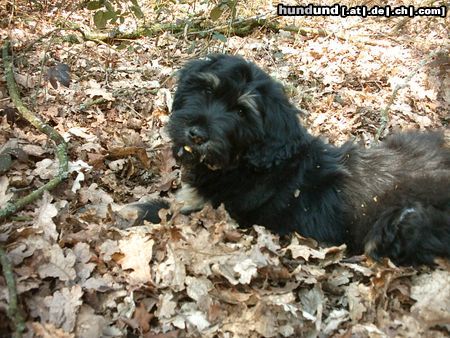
[61, 146]
[385, 111]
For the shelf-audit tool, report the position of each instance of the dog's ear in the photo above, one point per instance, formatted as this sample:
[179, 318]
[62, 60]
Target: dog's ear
[283, 133]
[183, 74]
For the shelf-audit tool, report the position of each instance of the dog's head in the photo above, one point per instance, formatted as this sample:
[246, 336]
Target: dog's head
[227, 110]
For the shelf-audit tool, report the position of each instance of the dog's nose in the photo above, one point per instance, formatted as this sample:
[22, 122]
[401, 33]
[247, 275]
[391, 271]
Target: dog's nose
[197, 135]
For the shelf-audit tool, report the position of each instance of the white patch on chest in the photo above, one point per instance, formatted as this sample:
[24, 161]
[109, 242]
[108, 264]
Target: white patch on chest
[190, 198]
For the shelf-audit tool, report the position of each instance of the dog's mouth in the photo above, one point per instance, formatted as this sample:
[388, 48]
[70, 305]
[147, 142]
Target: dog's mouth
[197, 154]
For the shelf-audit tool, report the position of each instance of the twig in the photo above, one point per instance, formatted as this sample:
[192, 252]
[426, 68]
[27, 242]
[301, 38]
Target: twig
[30, 45]
[90, 103]
[61, 146]
[14, 311]
[11, 15]
[404, 84]
[257, 20]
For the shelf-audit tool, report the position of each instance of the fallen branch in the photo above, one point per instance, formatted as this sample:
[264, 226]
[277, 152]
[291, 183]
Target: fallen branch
[14, 311]
[239, 27]
[61, 146]
[404, 84]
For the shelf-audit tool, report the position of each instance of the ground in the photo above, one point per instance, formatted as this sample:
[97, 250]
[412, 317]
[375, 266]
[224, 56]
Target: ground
[82, 270]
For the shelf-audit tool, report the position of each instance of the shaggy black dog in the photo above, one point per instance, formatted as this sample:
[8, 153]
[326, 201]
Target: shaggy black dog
[239, 142]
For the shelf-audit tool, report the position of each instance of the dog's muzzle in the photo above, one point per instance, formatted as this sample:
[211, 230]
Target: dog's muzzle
[197, 153]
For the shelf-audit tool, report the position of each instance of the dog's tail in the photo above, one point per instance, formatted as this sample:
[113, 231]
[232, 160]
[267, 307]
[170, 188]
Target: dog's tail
[144, 211]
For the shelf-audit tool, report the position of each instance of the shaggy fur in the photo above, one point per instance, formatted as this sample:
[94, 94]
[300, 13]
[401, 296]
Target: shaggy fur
[239, 142]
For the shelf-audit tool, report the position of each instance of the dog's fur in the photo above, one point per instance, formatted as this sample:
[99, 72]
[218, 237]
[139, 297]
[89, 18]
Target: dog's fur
[239, 142]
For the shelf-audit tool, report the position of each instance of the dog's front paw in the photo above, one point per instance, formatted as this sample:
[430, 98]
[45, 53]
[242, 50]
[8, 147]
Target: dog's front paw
[138, 212]
[190, 199]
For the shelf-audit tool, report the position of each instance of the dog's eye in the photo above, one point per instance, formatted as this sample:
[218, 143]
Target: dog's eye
[207, 91]
[241, 112]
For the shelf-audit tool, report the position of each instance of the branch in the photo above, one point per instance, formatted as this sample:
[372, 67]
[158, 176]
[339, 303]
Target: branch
[61, 146]
[14, 312]
[240, 27]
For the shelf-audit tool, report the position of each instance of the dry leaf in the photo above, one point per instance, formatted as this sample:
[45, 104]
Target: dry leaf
[89, 325]
[60, 264]
[44, 216]
[298, 250]
[172, 272]
[198, 287]
[246, 269]
[432, 293]
[4, 197]
[143, 317]
[166, 305]
[63, 307]
[46, 169]
[137, 251]
[82, 267]
[358, 300]
[48, 330]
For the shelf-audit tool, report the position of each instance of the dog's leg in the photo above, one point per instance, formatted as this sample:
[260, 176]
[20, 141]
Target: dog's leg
[416, 234]
[144, 211]
[148, 211]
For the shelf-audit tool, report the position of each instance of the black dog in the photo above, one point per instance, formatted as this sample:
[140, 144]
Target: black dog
[239, 142]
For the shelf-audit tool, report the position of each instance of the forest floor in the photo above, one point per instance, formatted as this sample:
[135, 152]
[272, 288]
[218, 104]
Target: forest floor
[81, 270]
